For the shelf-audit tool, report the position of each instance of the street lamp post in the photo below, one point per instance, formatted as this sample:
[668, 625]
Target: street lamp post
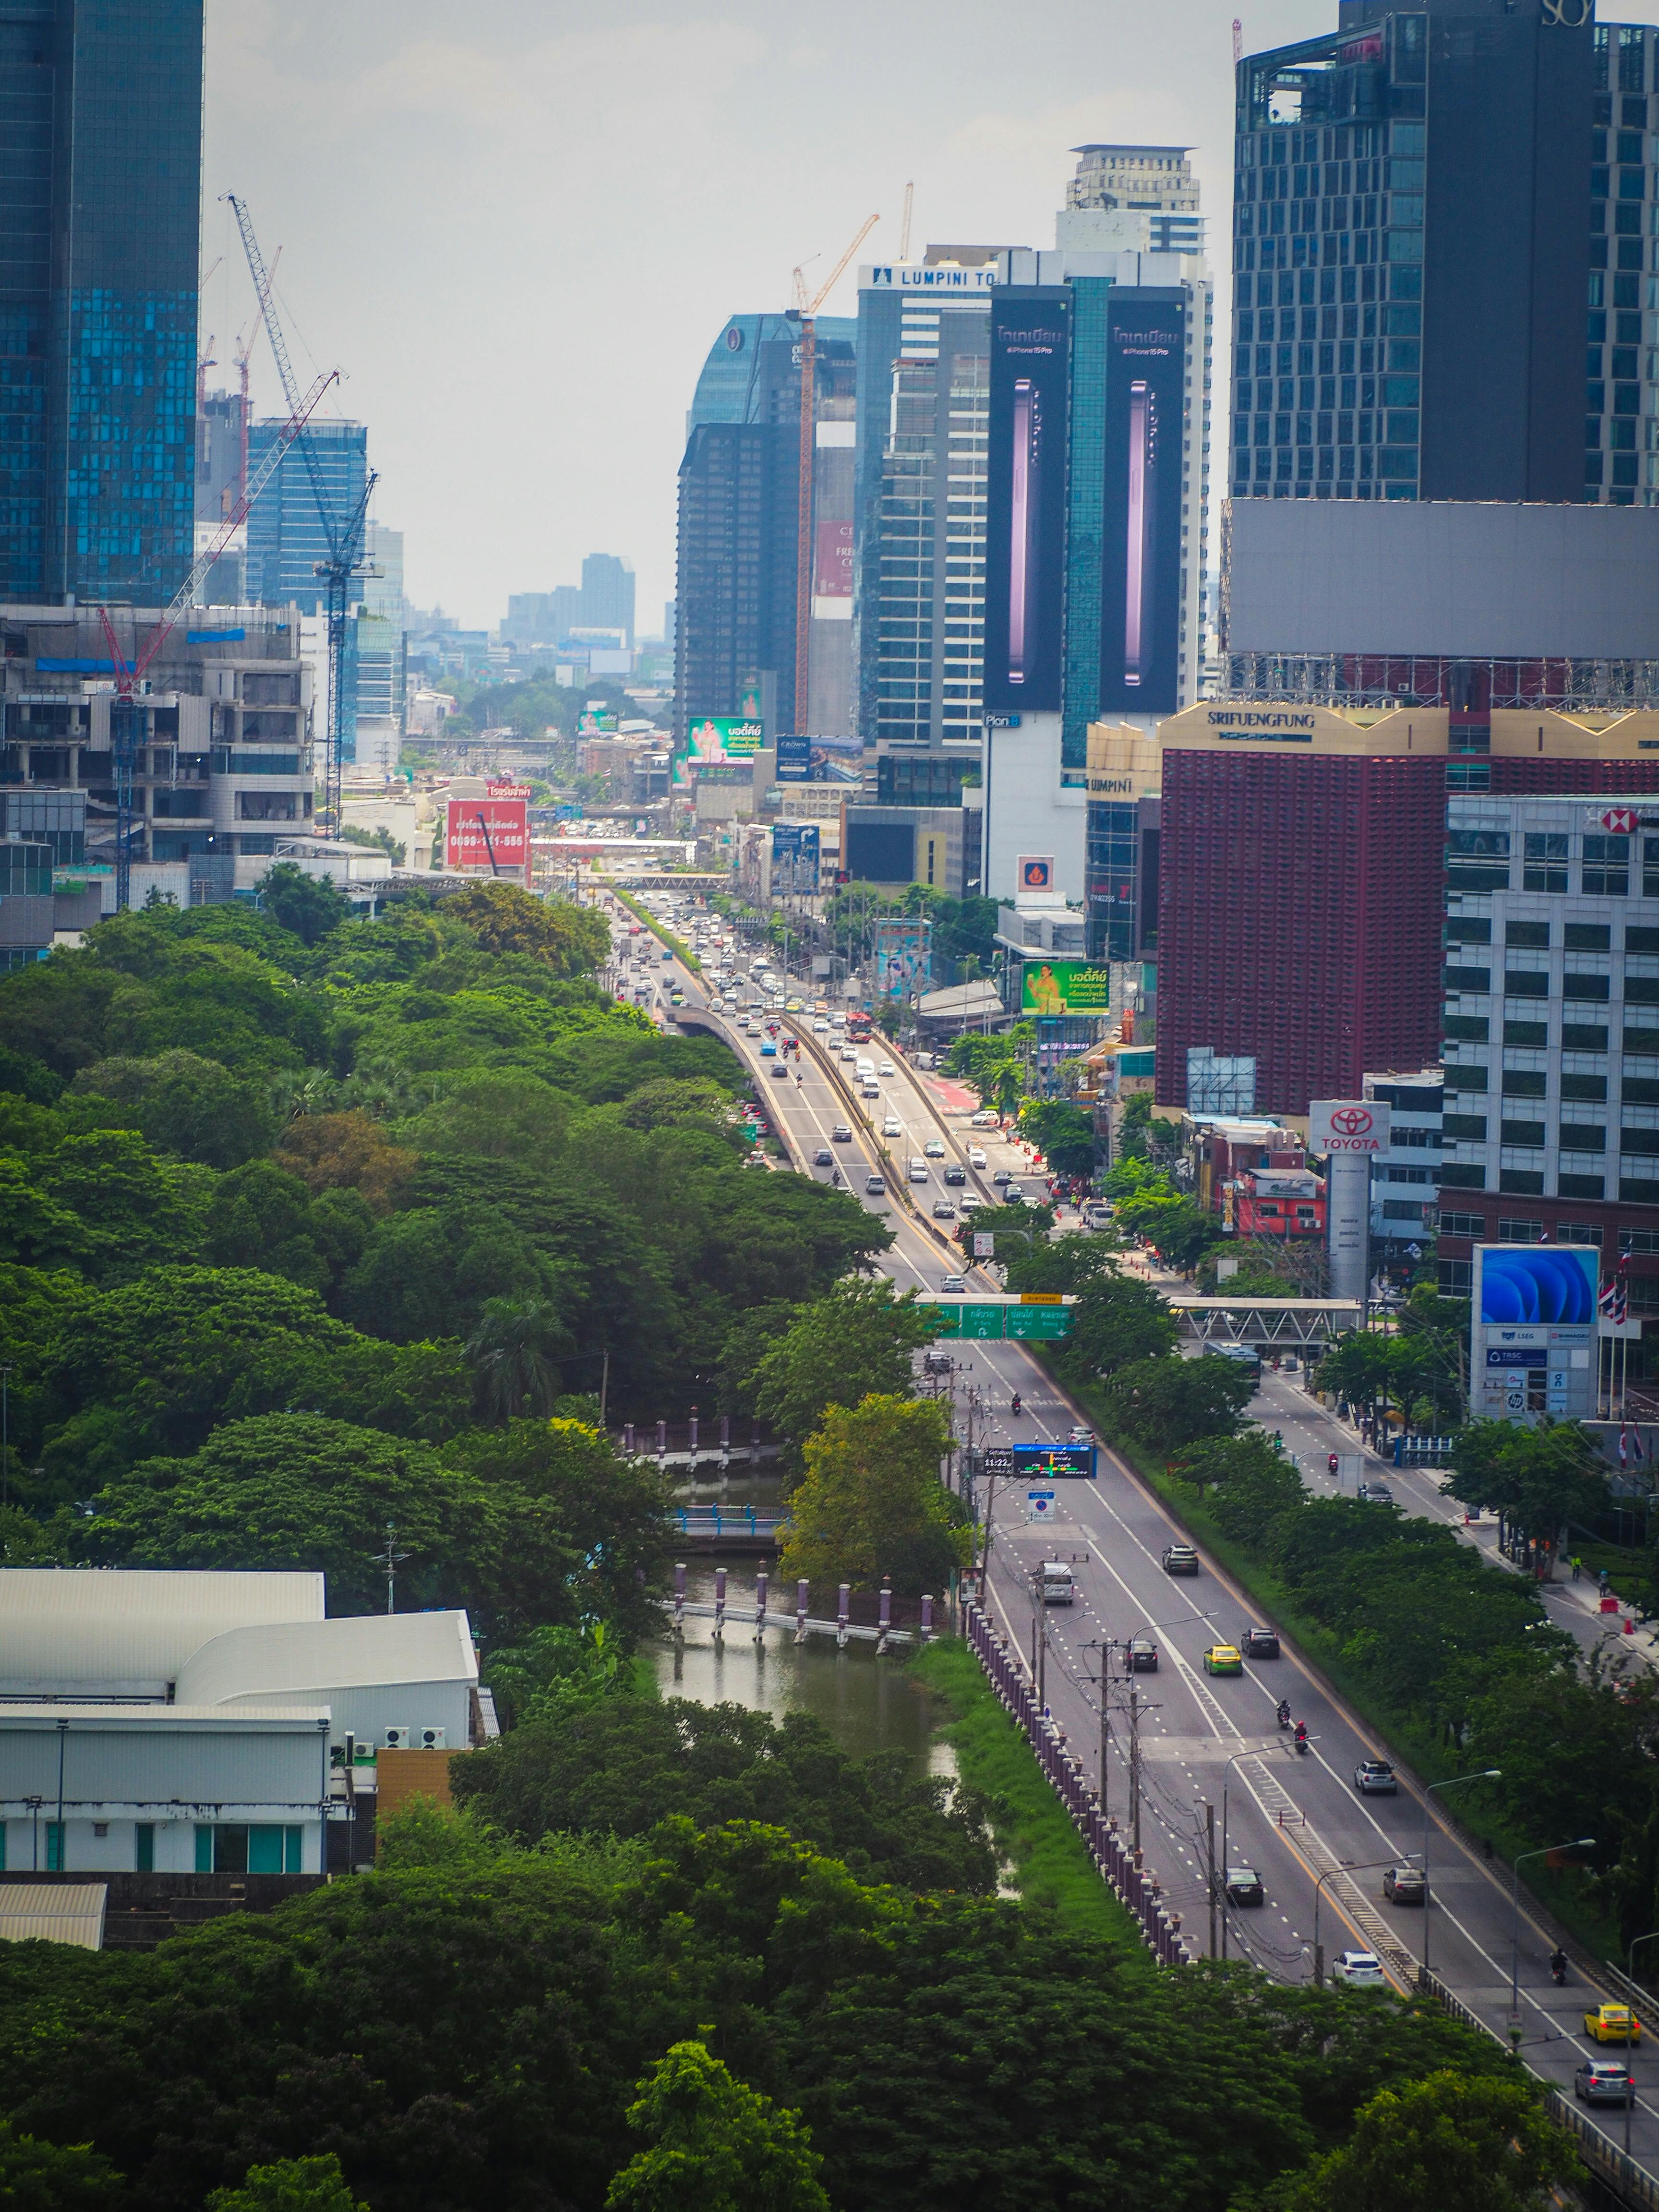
[1489, 1774]
[1260, 1751]
[1577, 1843]
[1369, 1867]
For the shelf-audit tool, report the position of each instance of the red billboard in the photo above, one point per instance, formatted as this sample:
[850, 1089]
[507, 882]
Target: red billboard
[491, 835]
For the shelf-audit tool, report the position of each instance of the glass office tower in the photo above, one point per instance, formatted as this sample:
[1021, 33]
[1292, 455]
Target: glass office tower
[101, 173]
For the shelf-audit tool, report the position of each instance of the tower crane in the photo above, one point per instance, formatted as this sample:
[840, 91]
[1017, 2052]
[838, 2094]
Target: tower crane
[129, 674]
[803, 311]
[344, 534]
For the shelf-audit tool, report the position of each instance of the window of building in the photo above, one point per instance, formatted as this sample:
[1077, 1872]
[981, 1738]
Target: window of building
[1644, 940]
[1526, 932]
[1520, 1232]
[1525, 1133]
[1606, 867]
[143, 1847]
[1587, 937]
[1534, 1033]
[1639, 1240]
[1473, 929]
[1469, 1028]
[1464, 1129]
[1577, 1232]
[1596, 988]
[1523, 1082]
[1464, 1225]
[55, 1846]
[1582, 1036]
[1526, 983]
[1459, 1175]
[257, 1848]
[1544, 861]
[1456, 1278]
[1640, 1040]
[1580, 1186]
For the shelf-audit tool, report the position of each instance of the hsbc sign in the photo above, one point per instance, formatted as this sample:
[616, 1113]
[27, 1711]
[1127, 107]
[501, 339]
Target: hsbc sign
[1619, 821]
[1347, 1125]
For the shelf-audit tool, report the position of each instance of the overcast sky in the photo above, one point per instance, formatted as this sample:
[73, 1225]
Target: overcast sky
[519, 225]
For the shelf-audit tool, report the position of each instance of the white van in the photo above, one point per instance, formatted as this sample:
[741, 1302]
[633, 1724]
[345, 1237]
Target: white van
[1058, 1588]
[866, 1071]
[917, 1170]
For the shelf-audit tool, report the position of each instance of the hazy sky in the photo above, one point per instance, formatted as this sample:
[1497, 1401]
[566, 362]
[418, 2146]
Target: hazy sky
[519, 225]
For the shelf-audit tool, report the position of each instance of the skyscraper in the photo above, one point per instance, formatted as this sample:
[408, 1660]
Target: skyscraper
[608, 594]
[286, 533]
[1411, 255]
[101, 133]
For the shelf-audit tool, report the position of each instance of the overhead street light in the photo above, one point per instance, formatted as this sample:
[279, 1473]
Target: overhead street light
[1548, 1851]
[1488, 1774]
[1369, 1866]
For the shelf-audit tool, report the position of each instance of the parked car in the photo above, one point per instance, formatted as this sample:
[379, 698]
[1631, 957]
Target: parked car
[1244, 1886]
[1604, 2081]
[1612, 2023]
[1360, 1970]
[1375, 1777]
[1261, 1643]
[1404, 1885]
[1142, 1655]
[1179, 1560]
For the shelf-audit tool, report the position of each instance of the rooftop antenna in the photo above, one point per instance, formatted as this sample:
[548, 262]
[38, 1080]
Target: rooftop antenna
[904, 233]
[1238, 42]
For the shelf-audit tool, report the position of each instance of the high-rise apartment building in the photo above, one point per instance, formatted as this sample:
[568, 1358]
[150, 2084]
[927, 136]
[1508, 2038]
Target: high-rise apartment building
[740, 519]
[923, 422]
[1552, 1019]
[1155, 181]
[1411, 254]
[1621, 364]
[100, 132]
[378, 654]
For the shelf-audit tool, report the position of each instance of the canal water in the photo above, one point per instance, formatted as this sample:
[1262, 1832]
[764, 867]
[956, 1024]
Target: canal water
[867, 1704]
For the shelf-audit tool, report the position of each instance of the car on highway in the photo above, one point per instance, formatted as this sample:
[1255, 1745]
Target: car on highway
[1058, 1588]
[952, 1285]
[1375, 1777]
[1612, 2023]
[1179, 1560]
[953, 1174]
[870, 1087]
[841, 1134]
[792, 1007]
[943, 1210]
[1224, 1659]
[935, 1362]
[985, 1118]
[768, 1050]
[823, 1158]
[849, 1054]
[1001, 1177]
[779, 1071]
[1404, 1885]
[1013, 1194]
[887, 1068]
[1244, 1886]
[917, 1171]
[934, 1149]
[820, 1029]
[874, 1186]
[1140, 1656]
[743, 1020]
[1604, 2081]
[971, 1202]
[892, 1127]
[1075, 1437]
[1373, 1493]
[1360, 1970]
[976, 1156]
[1261, 1643]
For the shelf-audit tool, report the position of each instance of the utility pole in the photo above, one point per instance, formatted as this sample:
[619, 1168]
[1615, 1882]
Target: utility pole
[1209, 1846]
[5, 1435]
[390, 1560]
[1135, 1764]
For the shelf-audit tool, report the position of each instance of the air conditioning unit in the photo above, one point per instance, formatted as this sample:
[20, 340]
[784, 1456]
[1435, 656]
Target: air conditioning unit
[396, 1739]
[433, 1739]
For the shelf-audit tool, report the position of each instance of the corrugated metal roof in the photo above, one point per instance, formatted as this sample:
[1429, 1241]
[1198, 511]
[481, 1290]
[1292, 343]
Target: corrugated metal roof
[107, 1628]
[84, 1718]
[58, 1912]
[312, 1658]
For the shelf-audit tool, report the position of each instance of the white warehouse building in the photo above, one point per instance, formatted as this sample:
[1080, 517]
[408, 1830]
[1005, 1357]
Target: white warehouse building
[209, 1723]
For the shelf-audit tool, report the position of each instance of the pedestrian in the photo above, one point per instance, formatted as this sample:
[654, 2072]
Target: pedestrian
[1578, 1566]
[1601, 1581]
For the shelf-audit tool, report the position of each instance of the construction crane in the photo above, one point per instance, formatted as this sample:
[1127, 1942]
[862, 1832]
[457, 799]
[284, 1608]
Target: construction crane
[1238, 42]
[242, 355]
[129, 674]
[343, 533]
[803, 310]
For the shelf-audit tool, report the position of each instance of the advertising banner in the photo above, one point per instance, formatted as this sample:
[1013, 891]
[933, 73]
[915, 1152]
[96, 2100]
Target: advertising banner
[832, 563]
[726, 737]
[492, 834]
[794, 757]
[1026, 512]
[795, 857]
[1533, 1333]
[903, 957]
[1065, 986]
[1347, 1125]
[1140, 546]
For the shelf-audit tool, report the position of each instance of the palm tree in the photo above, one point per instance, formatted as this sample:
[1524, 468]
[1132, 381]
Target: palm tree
[516, 1351]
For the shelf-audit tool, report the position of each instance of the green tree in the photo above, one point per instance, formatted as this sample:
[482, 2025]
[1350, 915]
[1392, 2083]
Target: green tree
[290, 2184]
[872, 1503]
[1179, 1230]
[515, 1352]
[713, 2145]
[48, 2176]
[855, 1341]
[1443, 2144]
[1064, 1133]
[1541, 1478]
[1069, 1264]
[185, 1105]
[1171, 1403]
[1134, 1127]
[570, 941]
[137, 1210]
[262, 1216]
[308, 906]
[1117, 1319]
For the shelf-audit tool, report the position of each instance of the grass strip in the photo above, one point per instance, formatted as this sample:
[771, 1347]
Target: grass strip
[1427, 1758]
[1051, 1863]
[644, 913]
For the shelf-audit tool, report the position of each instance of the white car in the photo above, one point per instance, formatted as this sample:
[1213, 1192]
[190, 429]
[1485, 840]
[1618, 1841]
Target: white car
[952, 1284]
[820, 1029]
[848, 1054]
[887, 1068]
[976, 1155]
[971, 1202]
[1360, 1970]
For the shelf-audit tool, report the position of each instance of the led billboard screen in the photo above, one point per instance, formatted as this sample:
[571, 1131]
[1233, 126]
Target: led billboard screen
[1140, 547]
[1065, 986]
[1053, 1459]
[1534, 1333]
[1025, 511]
[726, 737]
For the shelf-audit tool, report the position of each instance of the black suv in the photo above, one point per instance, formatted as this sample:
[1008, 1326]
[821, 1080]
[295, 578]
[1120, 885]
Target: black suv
[1259, 1644]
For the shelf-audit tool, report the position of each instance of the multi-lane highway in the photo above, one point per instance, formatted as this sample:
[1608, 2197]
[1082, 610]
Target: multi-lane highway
[1208, 1746]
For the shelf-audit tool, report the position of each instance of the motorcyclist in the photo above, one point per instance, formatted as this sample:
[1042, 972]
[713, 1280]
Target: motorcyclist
[1558, 1964]
[1016, 1407]
[1284, 1712]
[1330, 1462]
[1302, 1735]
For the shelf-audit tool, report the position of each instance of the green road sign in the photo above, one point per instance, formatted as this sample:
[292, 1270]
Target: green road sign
[985, 1321]
[1038, 1324]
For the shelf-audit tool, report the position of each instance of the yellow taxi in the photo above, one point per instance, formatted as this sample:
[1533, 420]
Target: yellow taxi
[1612, 2023]
[792, 1006]
[1224, 1659]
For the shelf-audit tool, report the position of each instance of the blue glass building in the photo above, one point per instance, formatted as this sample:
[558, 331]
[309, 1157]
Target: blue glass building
[286, 538]
[100, 131]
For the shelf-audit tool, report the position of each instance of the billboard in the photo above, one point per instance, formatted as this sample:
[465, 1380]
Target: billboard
[903, 957]
[794, 757]
[1140, 542]
[1065, 986]
[489, 833]
[880, 852]
[1025, 514]
[1533, 1332]
[795, 857]
[726, 737]
[1035, 873]
[832, 561]
[1053, 1459]
[1347, 1125]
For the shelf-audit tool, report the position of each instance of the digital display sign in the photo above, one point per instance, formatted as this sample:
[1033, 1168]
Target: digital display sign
[1065, 986]
[1053, 1459]
[1025, 499]
[795, 857]
[1140, 549]
[1533, 1331]
[726, 737]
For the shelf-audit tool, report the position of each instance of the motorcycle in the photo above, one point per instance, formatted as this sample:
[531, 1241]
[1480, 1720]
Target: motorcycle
[1301, 1738]
[1016, 1407]
[1331, 1463]
[1558, 1969]
[1284, 1716]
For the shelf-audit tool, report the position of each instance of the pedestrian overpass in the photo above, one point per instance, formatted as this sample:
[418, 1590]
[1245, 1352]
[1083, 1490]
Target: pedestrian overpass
[1271, 1324]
